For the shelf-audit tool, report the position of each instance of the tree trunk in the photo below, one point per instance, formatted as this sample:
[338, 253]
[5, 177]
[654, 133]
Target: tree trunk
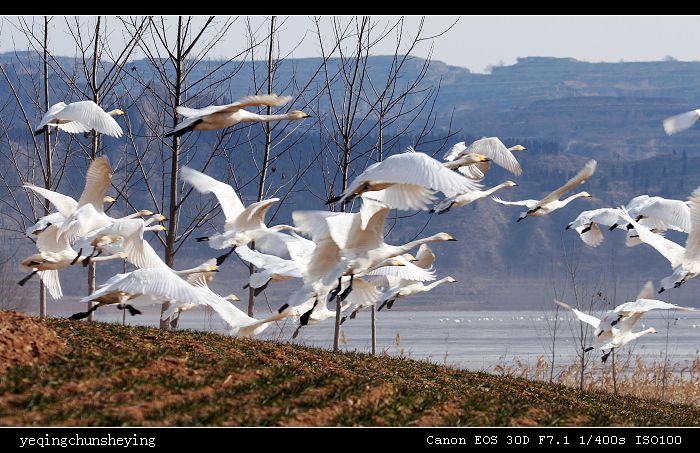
[266, 156]
[346, 165]
[92, 270]
[171, 234]
[374, 329]
[47, 150]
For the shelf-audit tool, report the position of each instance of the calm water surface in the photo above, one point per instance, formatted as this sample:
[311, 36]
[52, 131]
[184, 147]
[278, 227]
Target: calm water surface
[476, 340]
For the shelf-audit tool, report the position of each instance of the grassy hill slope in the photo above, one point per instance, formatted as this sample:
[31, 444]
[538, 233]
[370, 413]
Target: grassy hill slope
[60, 372]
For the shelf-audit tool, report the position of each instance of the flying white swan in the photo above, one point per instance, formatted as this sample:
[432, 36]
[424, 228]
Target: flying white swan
[361, 239]
[406, 181]
[129, 234]
[586, 224]
[659, 213]
[491, 147]
[82, 116]
[685, 261]
[223, 116]
[55, 252]
[87, 214]
[614, 329]
[551, 202]
[656, 213]
[467, 198]
[681, 122]
[399, 288]
[425, 258]
[243, 224]
[159, 285]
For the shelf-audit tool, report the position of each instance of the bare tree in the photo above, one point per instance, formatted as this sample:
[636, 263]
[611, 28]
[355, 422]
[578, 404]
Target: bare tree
[364, 103]
[177, 55]
[101, 69]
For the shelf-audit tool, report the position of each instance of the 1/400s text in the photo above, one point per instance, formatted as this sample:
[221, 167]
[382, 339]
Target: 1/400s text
[553, 440]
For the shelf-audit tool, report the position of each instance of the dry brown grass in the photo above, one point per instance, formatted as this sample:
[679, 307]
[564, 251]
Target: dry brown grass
[677, 382]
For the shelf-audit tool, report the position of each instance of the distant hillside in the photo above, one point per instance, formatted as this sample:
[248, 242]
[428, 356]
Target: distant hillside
[95, 374]
[565, 111]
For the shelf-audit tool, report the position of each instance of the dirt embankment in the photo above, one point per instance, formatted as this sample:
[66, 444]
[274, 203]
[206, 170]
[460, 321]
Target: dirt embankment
[26, 340]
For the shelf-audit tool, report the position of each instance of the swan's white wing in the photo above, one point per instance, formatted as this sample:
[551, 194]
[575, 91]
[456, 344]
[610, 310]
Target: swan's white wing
[234, 317]
[692, 244]
[647, 291]
[425, 256]
[313, 223]
[580, 177]
[299, 248]
[593, 237]
[476, 171]
[408, 197]
[50, 241]
[49, 116]
[52, 283]
[527, 203]
[74, 127]
[644, 305]
[604, 216]
[44, 222]
[455, 151]
[92, 116]
[258, 259]
[416, 169]
[666, 214]
[363, 294]
[273, 242]
[97, 181]
[670, 250]
[681, 122]
[588, 319]
[63, 203]
[231, 205]
[408, 271]
[253, 215]
[343, 229]
[271, 100]
[494, 149]
[142, 255]
[637, 202]
[85, 220]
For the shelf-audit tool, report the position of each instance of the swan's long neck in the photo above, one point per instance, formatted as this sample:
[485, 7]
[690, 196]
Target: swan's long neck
[268, 118]
[494, 189]
[568, 200]
[401, 249]
[152, 228]
[437, 283]
[102, 258]
[192, 270]
[635, 335]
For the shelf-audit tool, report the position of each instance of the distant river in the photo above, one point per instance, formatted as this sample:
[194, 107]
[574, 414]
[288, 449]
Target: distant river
[475, 340]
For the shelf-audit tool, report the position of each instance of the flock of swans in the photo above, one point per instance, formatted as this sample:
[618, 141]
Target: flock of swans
[337, 256]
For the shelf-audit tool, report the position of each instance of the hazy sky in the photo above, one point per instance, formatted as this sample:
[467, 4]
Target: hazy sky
[474, 42]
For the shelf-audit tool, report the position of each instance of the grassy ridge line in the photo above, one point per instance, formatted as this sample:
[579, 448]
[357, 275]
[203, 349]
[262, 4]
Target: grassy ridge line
[115, 375]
